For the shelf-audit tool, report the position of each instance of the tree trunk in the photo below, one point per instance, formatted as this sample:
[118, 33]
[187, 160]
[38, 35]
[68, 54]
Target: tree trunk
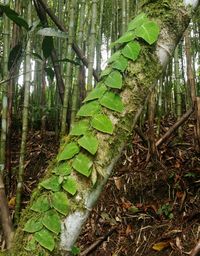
[139, 78]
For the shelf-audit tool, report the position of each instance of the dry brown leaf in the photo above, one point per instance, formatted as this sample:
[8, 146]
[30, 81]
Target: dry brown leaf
[160, 246]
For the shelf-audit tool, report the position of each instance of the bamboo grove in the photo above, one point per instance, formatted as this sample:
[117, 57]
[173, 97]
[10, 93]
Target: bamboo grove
[52, 54]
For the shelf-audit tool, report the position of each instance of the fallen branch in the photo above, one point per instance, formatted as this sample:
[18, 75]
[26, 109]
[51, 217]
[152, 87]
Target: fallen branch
[174, 127]
[93, 246]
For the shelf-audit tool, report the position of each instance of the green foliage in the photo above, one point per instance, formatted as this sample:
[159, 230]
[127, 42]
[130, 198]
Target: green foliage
[77, 156]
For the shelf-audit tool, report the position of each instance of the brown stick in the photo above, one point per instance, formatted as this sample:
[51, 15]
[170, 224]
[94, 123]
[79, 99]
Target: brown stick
[5, 215]
[196, 250]
[175, 127]
[75, 47]
[97, 242]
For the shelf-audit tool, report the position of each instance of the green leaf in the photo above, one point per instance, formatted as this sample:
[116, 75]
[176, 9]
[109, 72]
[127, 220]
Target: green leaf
[127, 37]
[41, 204]
[96, 93]
[138, 21]
[114, 80]
[52, 32]
[106, 71]
[114, 57]
[52, 221]
[50, 73]
[121, 63]
[14, 56]
[70, 186]
[131, 50]
[89, 109]
[45, 239]
[59, 202]
[14, 16]
[75, 250]
[102, 123]
[63, 169]
[51, 183]
[31, 245]
[82, 164]
[47, 46]
[68, 152]
[149, 31]
[33, 225]
[112, 101]
[90, 143]
[79, 128]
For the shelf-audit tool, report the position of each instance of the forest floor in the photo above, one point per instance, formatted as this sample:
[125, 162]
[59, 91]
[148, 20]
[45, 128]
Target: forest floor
[148, 208]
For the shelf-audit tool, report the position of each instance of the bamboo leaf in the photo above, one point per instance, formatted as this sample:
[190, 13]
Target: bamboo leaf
[68, 152]
[52, 221]
[131, 50]
[70, 186]
[47, 46]
[82, 164]
[51, 183]
[52, 32]
[50, 73]
[121, 63]
[80, 128]
[41, 204]
[102, 123]
[45, 239]
[90, 143]
[96, 93]
[149, 31]
[114, 80]
[14, 16]
[33, 225]
[14, 56]
[60, 203]
[63, 169]
[138, 21]
[112, 101]
[89, 109]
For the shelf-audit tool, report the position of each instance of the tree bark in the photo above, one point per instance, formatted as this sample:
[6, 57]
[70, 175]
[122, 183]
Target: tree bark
[140, 77]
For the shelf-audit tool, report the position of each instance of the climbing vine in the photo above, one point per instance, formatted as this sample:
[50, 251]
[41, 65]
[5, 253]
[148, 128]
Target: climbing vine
[77, 156]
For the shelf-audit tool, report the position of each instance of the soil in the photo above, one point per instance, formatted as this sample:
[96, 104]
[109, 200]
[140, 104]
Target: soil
[148, 208]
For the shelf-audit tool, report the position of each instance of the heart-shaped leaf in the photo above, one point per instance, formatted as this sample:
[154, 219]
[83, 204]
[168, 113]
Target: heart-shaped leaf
[62, 169]
[41, 204]
[114, 57]
[68, 152]
[131, 50]
[52, 221]
[138, 21]
[96, 93]
[121, 63]
[114, 80]
[149, 31]
[112, 101]
[102, 123]
[45, 239]
[127, 37]
[51, 183]
[89, 142]
[106, 72]
[33, 225]
[82, 164]
[70, 186]
[89, 109]
[79, 128]
[59, 202]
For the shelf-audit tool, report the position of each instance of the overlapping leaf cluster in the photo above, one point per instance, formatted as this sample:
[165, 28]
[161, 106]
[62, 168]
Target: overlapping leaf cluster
[77, 156]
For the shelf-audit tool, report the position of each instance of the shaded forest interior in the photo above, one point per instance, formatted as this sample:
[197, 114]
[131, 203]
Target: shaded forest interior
[150, 205]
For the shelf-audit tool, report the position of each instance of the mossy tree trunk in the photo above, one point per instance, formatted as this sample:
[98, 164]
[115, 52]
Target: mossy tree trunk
[138, 80]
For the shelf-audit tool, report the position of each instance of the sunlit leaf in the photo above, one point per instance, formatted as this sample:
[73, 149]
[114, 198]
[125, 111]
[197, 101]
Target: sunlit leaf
[70, 185]
[59, 202]
[45, 239]
[52, 221]
[68, 151]
[33, 225]
[112, 101]
[114, 80]
[41, 204]
[127, 37]
[160, 246]
[131, 50]
[89, 142]
[62, 169]
[51, 183]
[138, 21]
[96, 93]
[89, 109]
[149, 31]
[82, 164]
[102, 123]
[79, 128]
[121, 63]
